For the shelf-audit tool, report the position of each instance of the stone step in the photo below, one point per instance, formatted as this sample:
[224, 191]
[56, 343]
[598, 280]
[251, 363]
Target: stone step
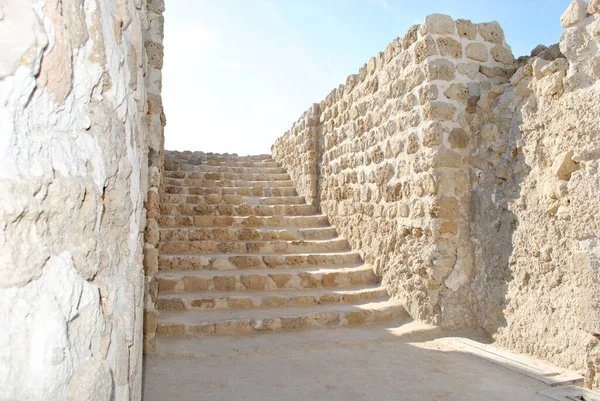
[224, 262]
[189, 156]
[266, 299]
[318, 220]
[235, 156]
[251, 247]
[174, 182]
[246, 234]
[193, 178]
[266, 280]
[245, 191]
[197, 323]
[180, 166]
[216, 199]
[171, 209]
[203, 168]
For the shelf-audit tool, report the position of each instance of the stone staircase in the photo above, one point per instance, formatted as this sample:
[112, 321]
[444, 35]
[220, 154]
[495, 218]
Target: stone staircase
[240, 252]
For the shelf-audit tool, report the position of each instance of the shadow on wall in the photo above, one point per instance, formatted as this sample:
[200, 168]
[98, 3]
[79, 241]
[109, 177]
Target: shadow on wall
[498, 168]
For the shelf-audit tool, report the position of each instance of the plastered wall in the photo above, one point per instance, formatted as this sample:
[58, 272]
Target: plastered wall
[470, 180]
[74, 176]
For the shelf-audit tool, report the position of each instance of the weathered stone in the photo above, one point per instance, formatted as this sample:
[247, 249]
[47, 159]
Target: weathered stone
[449, 47]
[439, 111]
[458, 138]
[593, 7]
[155, 52]
[564, 166]
[502, 55]
[477, 52]
[466, 29]
[424, 48]
[457, 92]
[491, 32]
[432, 134]
[438, 24]
[440, 69]
[574, 14]
[150, 261]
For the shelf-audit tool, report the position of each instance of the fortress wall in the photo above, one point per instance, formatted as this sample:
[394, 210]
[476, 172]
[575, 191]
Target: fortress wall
[392, 158]
[471, 182]
[74, 157]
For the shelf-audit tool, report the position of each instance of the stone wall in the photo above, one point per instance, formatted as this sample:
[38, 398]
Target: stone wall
[470, 180]
[538, 196]
[74, 156]
[155, 120]
[392, 159]
[301, 163]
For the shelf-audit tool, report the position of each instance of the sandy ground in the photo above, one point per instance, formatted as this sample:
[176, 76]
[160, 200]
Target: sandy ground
[393, 362]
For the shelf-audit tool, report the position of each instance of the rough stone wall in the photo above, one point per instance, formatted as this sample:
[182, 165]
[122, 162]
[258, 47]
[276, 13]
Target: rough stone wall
[73, 179]
[155, 120]
[393, 147]
[538, 196]
[470, 181]
[302, 162]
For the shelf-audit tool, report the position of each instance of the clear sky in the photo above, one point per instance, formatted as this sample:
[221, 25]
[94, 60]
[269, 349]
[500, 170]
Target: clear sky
[238, 73]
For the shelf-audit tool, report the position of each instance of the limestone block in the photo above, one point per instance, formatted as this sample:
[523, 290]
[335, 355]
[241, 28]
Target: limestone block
[449, 47]
[564, 166]
[552, 85]
[428, 93]
[449, 228]
[446, 158]
[593, 7]
[574, 14]
[491, 32]
[458, 138]
[468, 69]
[432, 134]
[424, 48]
[502, 55]
[150, 260]
[457, 92]
[438, 24]
[155, 53]
[412, 144]
[154, 104]
[156, 6]
[152, 232]
[466, 29]
[477, 52]
[497, 72]
[440, 68]
[410, 37]
[439, 111]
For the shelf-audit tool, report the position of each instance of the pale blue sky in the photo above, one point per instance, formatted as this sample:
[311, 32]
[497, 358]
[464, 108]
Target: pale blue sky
[238, 73]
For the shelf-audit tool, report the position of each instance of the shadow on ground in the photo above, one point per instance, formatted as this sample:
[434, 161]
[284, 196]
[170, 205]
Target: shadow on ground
[398, 360]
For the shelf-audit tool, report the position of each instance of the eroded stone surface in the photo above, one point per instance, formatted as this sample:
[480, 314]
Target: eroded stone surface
[73, 176]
